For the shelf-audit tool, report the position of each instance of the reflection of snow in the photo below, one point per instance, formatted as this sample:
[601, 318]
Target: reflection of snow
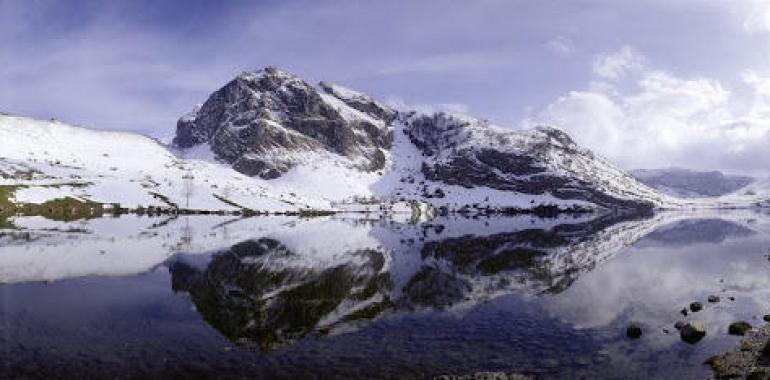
[591, 284]
[131, 244]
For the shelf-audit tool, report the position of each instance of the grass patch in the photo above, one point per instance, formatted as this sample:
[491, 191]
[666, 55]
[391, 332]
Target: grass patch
[315, 213]
[61, 209]
[6, 193]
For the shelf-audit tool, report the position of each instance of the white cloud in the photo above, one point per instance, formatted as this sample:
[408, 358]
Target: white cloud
[665, 120]
[561, 45]
[758, 18]
[615, 65]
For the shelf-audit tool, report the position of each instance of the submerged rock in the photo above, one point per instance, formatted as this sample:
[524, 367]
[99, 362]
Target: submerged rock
[634, 331]
[696, 307]
[724, 366]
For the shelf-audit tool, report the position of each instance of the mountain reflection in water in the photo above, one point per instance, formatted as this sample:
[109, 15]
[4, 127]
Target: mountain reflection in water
[271, 283]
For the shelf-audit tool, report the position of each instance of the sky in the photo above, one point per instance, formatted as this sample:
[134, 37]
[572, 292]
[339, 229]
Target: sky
[645, 83]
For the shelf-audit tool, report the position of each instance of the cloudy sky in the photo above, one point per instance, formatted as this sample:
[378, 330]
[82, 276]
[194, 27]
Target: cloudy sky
[646, 83]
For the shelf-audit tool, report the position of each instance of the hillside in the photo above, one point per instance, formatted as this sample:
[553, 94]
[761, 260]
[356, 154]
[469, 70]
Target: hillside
[270, 142]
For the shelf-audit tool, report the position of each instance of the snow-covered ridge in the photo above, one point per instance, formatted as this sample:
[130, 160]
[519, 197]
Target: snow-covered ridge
[269, 141]
[45, 160]
[260, 123]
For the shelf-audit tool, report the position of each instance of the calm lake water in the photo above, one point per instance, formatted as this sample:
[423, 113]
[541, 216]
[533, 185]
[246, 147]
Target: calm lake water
[339, 297]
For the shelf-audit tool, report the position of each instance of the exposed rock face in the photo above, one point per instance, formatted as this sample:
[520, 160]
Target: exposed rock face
[260, 120]
[472, 153]
[361, 102]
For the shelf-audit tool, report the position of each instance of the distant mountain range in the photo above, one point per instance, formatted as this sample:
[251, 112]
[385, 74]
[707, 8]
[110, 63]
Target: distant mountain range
[269, 141]
[680, 182]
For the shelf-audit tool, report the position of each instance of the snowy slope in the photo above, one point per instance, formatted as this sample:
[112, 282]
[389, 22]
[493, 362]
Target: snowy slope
[268, 141]
[51, 160]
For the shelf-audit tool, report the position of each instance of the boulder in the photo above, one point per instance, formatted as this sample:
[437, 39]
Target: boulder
[696, 307]
[739, 328]
[692, 332]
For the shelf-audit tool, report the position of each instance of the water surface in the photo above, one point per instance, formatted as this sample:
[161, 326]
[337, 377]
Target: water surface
[343, 297]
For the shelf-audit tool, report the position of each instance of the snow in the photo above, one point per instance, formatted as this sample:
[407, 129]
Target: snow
[125, 168]
[133, 170]
[349, 113]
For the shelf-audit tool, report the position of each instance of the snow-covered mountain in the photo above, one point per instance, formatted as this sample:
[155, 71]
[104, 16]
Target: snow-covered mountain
[269, 141]
[273, 125]
[685, 183]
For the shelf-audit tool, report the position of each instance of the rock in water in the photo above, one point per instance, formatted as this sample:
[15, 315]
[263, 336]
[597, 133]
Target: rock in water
[696, 307]
[634, 331]
[692, 332]
[739, 328]
[713, 299]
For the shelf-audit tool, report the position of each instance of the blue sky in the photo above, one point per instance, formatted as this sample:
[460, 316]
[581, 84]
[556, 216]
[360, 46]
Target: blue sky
[646, 83]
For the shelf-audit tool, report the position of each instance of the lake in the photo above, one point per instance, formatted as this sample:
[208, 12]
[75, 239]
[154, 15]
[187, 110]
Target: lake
[360, 297]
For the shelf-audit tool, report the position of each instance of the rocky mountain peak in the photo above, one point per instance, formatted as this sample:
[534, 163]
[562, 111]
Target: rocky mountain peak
[556, 136]
[260, 120]
[360, 102]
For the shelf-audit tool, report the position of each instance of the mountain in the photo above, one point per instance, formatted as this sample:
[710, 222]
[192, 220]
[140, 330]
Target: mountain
[260, 120]
[686, 183]
[272, 125]
[268, 141]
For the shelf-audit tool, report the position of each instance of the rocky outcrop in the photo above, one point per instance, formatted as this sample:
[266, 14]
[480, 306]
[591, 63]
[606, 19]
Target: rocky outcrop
[260, 121]
[471, 153]
[361, 102]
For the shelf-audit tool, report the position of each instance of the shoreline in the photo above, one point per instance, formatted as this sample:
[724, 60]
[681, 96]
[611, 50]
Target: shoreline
[749, 359]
